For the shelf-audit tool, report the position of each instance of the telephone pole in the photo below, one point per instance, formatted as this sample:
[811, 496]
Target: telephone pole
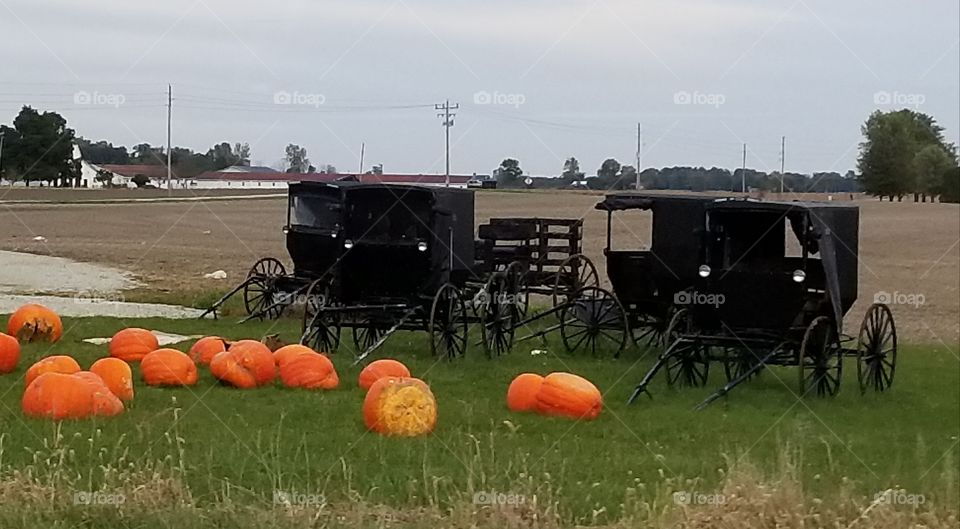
[639, 154]
[363, 146]
[447, 123]
[743, 171]
[169, 150]
[783, 151]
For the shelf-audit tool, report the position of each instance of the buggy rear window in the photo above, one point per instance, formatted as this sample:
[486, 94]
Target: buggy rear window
[314, 211]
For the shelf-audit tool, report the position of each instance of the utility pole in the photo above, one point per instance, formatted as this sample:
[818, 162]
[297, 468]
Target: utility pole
[1, 150]
[639, 154]
[169, 150]
[363, 146]
[783, 151]
[447, 123]
[743, 171]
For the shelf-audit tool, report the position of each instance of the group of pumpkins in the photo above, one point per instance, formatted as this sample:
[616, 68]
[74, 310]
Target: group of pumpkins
[395, 402]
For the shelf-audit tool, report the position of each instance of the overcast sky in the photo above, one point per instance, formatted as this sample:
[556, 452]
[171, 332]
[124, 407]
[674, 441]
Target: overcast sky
[536, 80]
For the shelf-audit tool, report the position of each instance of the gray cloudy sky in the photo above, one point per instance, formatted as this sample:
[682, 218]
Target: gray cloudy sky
[538, 80]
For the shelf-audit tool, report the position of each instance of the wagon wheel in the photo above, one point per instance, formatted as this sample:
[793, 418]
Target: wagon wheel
[448, 323]
[820, 358]
[260, 293]
[877, 349]
[688, 363]
[319, 331]
[593, 319]
[497, 316]
[576, 272]
[515, 286]
[647, 332]
[737, 362]
[366, 333]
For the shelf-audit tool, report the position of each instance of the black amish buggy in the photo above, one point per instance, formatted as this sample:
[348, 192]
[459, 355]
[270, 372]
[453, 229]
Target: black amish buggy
[774, 284]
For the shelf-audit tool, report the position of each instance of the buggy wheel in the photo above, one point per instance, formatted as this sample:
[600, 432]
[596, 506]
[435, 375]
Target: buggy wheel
[497, 316]
[736, 363]
[688, 363]
[877, 349]
[366, 333]
[820, 359]
[593, 320]
[575, 273]
[261, 294]
[448, 323]
[320, 331]
[647, 332]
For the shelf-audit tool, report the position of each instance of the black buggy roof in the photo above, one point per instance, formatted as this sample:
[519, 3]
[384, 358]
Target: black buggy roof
[643, 201]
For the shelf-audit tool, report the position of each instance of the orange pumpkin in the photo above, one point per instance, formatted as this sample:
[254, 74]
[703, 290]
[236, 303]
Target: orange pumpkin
[116, 375]
[246, 364]
[569, 395]
[309, 371]
[105, 403]
[382, 368]
[206, 348]
[288, 352]
[9, 353]
[52, 364]
[168, 367]
[400, 407]
[132, 344]
[522, 393]
[58, 396]
[35, 323]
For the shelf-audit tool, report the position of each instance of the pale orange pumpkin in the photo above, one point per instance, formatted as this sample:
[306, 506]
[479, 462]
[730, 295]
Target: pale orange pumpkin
[522, 393]
[378, 369]
[309, 370]
[105, 403]
[35, 323]
[206, 348]
[168, 367]
[246, 364]
[9, 353]
[58, 396]
[397, 406]
[569, 395]
[132, 344]
[288, 352]
[116, 374]
[52, 364]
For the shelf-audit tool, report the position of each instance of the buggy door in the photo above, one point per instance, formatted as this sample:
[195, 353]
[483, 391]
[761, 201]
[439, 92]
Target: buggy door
[314, 220]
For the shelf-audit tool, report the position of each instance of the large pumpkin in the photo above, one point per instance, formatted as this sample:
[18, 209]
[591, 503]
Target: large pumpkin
[522, 393]
[168, 367]
[9, 353]
[132, 344]
[116, 375]
[310, 371]
[35, 323]
[569, 395]
[288, 352]
[52, 364]
[206, 348]
[105, 403]
[400, 406]
[58, 396]
[246, 364]
[382, 368]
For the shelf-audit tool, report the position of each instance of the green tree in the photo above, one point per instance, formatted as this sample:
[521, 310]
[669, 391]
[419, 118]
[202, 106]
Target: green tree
[509, 172]
[40, 148]
[888, 162]
[140, 180]
[242, 152]
[571, 170]
[104, 177]
[931, 165]
[950, 186]
[296, 158]
[608, 169]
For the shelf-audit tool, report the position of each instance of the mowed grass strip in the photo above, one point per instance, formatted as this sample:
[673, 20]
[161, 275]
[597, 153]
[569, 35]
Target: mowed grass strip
[250, 444]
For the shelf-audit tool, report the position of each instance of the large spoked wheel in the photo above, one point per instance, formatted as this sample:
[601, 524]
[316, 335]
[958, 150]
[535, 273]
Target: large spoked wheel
[688, 364]
[497, 316]
[821, 359]
[594, 321]
[319, 330]
[647, 332]
[575, 273]
[448, 323]
[515, 286]
[367, 333]
[261, 294]
[877, 349]
[738, 362]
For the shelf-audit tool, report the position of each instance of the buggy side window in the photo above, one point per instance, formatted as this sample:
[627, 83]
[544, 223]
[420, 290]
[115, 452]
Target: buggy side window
[631, 230]
[314, 212]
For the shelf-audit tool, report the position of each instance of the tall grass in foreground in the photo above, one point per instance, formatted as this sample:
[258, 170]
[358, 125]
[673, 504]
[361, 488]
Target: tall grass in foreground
[126, 489]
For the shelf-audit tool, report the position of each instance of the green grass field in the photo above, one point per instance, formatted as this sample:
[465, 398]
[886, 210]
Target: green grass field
[211, 455]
